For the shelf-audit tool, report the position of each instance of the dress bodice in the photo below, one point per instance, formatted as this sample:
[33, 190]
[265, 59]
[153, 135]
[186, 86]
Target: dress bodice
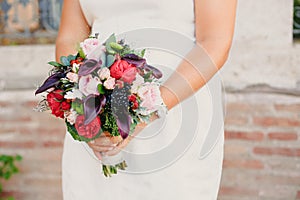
[119, 16]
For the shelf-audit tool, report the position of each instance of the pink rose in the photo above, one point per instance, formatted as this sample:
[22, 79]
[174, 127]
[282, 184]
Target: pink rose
[149, 94]
[90, 130]
[122, 69]
[72, 77]
[89, 85]
[89, 45]
[110, 83]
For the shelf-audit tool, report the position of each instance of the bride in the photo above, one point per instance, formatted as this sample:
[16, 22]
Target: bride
[180, 155]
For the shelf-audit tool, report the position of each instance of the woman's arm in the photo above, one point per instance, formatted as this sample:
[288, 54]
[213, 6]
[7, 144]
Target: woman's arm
[73, 29]
[214, 27]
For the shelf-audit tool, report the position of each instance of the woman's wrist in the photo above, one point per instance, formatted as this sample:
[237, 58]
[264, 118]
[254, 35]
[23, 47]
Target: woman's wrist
[169, 98]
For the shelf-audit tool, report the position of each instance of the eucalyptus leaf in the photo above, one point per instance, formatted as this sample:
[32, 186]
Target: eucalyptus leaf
[111, 39]
[110, 59]
[71, 57]
[65, 61]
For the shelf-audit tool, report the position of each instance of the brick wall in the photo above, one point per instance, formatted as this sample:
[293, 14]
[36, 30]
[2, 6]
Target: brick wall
[262, 151]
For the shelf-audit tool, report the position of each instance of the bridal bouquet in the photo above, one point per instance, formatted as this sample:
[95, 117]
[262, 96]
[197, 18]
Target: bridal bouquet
[104, 88]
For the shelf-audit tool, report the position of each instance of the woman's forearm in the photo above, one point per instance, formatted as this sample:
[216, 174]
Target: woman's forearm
[195, 70]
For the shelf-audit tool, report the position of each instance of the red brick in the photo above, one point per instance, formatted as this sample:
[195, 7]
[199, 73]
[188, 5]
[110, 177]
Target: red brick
[238, 191]
[289, 108]
[293, 152]
[235, 120]
[30, 104]
[52, 144]
[298, 195]
[254, 136]
[275, 121]
[238, 106]
[17, 144]
[16, 119]
[4, 104]
[282, 136]
[247, 164]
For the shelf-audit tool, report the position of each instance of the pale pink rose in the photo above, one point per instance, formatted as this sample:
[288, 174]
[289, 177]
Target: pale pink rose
[72, 77]
[89, 45]
[149, 94]
[89, 85]
[104, 73]
[139, 80]
[71, 116]
[109, 83]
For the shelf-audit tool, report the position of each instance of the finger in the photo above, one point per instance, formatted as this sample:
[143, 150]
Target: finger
[118, 148]
[101, 148]
[98, 155]
[103, 141]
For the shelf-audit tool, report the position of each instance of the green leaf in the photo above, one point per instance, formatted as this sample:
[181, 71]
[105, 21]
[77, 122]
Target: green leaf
[65, 61]
[115, 46]
[111, 39]
[81, 53]
[101, 89]
[78, 107]
[55, 64]
[143, 52]
[110, 59]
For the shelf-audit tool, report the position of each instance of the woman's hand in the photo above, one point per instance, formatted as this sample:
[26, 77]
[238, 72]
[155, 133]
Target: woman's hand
[110, 146]
[104, 144]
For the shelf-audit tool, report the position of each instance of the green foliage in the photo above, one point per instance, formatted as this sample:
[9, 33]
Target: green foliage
[110, 124]
[7, 169]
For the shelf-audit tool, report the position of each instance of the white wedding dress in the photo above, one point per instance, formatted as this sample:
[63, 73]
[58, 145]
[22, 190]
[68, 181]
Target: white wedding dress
[177, 157]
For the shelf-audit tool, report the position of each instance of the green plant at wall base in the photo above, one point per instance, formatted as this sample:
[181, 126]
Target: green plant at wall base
[296, 19]
[7, 169]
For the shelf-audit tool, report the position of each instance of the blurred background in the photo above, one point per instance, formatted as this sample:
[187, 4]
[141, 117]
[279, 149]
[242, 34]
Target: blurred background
[262, 87]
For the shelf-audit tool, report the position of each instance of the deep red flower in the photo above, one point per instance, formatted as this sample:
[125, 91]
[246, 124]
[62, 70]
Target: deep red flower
[54, 100]
[122, 69]
[65, 105]
[90, 130]
[134, 102]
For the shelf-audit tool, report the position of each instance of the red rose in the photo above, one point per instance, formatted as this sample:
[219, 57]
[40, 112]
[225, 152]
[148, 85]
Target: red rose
[54, 99]
[65, 105]
[134, 102]
[58, 94]
[122, 69]
[90, 130]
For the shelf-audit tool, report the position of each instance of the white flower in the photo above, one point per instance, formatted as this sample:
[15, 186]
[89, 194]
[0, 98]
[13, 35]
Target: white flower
[71, 116]
[89, 85]
[104, 73]
[139, 80]
[74, 94]
[110, 83]
[89, 45]
[72, 77]
[149, 94]
[75, 67]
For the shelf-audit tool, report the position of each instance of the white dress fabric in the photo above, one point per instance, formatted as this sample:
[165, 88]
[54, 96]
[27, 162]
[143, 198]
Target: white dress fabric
[177, 157]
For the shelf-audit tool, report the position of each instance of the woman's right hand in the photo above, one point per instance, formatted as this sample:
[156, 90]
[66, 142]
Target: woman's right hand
[104, 143]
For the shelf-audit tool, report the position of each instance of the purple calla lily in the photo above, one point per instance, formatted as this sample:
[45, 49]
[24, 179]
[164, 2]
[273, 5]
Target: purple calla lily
[140, 62]
[89, 66]
[123, 122]
[92, 106]
[50, 82]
